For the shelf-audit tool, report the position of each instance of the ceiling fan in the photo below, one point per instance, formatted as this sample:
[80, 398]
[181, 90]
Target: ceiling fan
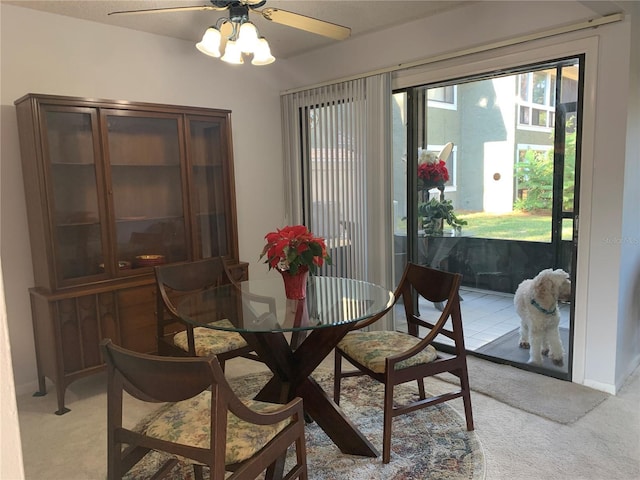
[241, 35]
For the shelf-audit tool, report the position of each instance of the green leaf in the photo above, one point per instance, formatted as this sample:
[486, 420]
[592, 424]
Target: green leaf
[307, 257]
[315, 249]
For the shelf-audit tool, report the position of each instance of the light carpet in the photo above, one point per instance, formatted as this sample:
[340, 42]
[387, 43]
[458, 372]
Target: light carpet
[557, 400]
[431, 443]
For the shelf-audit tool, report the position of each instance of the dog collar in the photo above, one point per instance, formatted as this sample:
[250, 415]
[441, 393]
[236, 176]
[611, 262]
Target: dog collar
[541, 308]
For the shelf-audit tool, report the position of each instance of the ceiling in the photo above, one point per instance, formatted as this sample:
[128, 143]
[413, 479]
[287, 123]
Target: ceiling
[362, 16]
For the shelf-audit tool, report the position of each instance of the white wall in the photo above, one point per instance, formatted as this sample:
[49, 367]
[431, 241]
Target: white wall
[10, 447]
[44, 53]
[629, 334]
[606, 344]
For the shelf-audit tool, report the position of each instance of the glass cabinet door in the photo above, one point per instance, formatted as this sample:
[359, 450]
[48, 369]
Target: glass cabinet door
[72, 147]
[210, 186]
[147, 182]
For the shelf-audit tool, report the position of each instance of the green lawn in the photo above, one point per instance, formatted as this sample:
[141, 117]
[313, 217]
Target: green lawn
[507, 226]
[511, 226]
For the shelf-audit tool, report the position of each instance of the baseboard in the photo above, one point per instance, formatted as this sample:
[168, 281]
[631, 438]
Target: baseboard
[31, 387]
[603, 387]
[631, 367]
[614, 389]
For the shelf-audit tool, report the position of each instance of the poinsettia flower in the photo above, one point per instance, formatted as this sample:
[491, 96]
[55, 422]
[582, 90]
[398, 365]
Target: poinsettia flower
[294, 248]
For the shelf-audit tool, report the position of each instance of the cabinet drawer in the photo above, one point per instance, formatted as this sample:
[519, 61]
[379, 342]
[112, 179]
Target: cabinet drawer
[140, 339]
[137, 316]
[136, 309]
[137, 296]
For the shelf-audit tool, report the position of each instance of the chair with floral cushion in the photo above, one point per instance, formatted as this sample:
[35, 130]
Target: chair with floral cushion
[177, 337]
[394, 358]
[204, 423]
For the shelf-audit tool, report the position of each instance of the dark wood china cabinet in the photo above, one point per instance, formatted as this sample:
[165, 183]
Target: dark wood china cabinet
[114, 188]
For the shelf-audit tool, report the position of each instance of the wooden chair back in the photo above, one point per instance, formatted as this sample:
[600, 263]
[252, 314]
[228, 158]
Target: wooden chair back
[162, 379]
[174, 281]
[174, 379]
[440, 288]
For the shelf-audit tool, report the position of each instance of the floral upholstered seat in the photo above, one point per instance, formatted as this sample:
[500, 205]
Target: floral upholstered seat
[209, 341]
[188, 422]
[371, 349]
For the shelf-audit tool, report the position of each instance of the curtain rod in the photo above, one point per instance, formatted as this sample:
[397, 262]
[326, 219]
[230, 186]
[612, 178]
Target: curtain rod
[593, 23]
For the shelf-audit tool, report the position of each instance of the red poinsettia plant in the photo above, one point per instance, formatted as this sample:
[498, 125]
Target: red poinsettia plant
[295, 249]
[433, 174]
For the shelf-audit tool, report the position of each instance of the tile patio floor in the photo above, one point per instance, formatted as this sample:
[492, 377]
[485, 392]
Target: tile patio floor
[486, 315]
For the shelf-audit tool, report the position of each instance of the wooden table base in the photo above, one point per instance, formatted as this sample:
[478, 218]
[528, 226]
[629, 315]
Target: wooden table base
[292, 368]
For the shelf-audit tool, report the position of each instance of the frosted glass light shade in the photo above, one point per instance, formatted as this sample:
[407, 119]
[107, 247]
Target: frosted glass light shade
[210, 43]
[248, 37]
[262, 54]
[232, 53]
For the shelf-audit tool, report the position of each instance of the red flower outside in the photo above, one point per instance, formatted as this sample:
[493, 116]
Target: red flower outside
[433, 173]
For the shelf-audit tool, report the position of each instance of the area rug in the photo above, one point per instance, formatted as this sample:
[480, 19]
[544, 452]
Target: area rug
[557, 400]
[431, 443]
[506, 348]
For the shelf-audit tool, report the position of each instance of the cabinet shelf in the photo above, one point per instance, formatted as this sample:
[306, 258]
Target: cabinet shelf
[73, 164]
[77, 224]
[210, 214]
[145, 165]
[147, 219]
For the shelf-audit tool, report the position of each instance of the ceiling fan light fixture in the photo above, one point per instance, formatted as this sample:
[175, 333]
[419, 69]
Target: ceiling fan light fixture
[237, 28]
[248, 37]
[241, 37]
[232, 53]
[262, 54]
[210, 43]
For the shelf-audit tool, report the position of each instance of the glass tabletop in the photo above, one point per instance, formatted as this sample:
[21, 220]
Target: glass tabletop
[261, 305]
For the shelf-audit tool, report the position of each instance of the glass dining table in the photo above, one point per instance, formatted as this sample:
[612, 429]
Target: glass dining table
[292, 337]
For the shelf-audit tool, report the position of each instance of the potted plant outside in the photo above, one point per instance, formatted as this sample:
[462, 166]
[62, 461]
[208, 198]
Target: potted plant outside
[434, 213]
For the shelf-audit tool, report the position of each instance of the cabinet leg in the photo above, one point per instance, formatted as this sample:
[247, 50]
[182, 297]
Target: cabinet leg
[42, 387]
[42, 391]
[60, 391]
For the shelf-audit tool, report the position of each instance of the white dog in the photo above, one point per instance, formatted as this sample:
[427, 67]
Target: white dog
[536, 301]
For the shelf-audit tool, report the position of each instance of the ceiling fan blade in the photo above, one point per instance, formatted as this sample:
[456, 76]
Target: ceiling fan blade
[168, 9]
[309, 24]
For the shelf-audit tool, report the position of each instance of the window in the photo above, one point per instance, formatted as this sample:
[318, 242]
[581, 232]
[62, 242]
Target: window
[501, 171]
[536, 99]
[443, 97]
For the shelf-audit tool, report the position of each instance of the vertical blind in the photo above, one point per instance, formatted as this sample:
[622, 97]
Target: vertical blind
[336, 144]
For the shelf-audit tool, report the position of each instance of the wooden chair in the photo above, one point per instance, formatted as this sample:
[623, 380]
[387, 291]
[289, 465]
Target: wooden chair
[179, 338]
[395, 357]
[205, 423]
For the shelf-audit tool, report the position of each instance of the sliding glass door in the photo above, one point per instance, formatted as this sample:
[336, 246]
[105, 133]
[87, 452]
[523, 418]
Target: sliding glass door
[485, 172]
